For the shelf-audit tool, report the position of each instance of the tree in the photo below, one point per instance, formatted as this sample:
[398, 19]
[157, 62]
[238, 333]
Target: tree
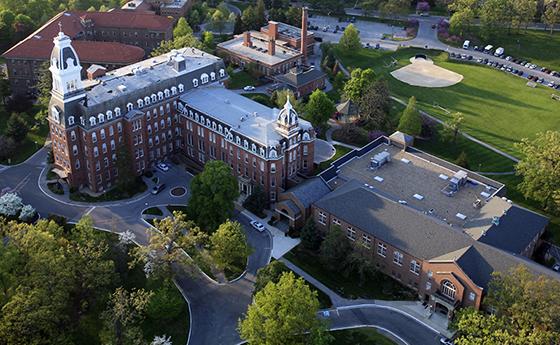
[194, 17]
[284, 313]
[360, 80]
[257, 201]
[238, 25]
[212, 194]
[208, 39]
[350, 40]
[6, 25]
[293, 16]
[16, 127]
[7, 147]
[495, 15]
[279, 98]
[229, 246]
[27, 213]
[524, 12]
[451, 127]
[44, 86]
[123, 316]
[10, 205]
[218, 21]
[463, 160]
[359, 263]
[277, 14]
[335, 249]
[310, 237]
[182, 28]
[165, 246]
[177, 43]
[250, 19]
[270, 273]
[395, 7]
[526, 312]
[373, 105]
[551, 14]
[461, 21]
[320, 108]
[260, 12]
[165, 303]
[540, 169]
[411, 121]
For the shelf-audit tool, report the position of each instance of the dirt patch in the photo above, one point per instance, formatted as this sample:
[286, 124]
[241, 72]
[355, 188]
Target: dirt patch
[423, 72]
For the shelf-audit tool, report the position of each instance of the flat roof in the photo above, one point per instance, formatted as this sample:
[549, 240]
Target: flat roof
[259, 50]
[245, 116]
[418, 183]
[288, 30]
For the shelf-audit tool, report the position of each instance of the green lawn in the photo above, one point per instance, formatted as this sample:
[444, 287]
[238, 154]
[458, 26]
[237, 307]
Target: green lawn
[241, 79]
[340, 151]
[540, 47]
[154, 211]
[379, 287]
[111, 195]
[35, 139]
[262, 98]
[498, 108]
[360, 336]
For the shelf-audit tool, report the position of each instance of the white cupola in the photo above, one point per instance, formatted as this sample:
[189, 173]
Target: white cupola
[287, 119]
[65, 67]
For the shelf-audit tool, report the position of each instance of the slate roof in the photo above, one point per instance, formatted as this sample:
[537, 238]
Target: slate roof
[297, 77]
[412, 231]
[516, 229]
[310, 191]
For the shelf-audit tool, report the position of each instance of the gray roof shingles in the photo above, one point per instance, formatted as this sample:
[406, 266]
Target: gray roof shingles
[310, 191]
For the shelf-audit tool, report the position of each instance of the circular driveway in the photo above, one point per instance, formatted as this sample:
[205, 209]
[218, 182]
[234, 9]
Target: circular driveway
[323, 151]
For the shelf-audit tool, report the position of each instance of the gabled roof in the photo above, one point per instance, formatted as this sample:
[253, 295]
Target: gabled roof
[347, 108]
[297, 77]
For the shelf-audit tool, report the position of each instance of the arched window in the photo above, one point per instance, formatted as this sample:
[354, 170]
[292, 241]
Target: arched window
[109, 115]
[213, 76]
[166, 92]
[101, 118]
[173, 90]
[92, 121]
[195, 82]
[147, 100]
[272, 153]
[222, 73]
[448, 289]
[129, 106]
[70, 120]
[117, 111]
[204, 78]
[181, 88]
[154, 98]
[140, 103]
[160, 95]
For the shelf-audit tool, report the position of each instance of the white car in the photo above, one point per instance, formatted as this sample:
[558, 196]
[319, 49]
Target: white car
[445, 341]
[249, 88]
[163, 167]
[257, 225]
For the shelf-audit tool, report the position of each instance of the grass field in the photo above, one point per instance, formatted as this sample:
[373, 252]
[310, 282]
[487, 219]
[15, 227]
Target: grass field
[340, 151]
[241, 79]
[360, 336]
[540, 47]
[35, 139]
[498, 108]
[262, 98]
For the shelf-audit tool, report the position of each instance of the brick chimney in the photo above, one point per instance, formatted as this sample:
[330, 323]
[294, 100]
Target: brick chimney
[303, 39]
[271, 46]
[247, 39]
[273, 30]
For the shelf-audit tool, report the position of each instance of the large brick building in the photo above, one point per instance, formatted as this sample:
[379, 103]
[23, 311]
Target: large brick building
[275, 49]
[110, 39]
[427, 223]
[172, 8]
[174, 103]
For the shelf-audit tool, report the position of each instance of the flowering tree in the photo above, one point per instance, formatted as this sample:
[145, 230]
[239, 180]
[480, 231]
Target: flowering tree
[27, 213]
[163, 340]
[126, 238]
[10, 205]
[422, 6]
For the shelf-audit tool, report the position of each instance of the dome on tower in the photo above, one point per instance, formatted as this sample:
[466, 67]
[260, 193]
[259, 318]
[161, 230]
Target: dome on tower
[63, 54]
[288, 116]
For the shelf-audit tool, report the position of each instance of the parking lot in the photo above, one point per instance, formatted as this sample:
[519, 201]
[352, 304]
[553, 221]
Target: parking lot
[369, 31]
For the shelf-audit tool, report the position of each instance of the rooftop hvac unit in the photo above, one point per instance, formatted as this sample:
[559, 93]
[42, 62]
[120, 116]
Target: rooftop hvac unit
[496, 220]
[477, 203]
[379, 159]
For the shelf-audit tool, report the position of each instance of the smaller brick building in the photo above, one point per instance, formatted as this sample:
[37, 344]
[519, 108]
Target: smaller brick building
[302, 80]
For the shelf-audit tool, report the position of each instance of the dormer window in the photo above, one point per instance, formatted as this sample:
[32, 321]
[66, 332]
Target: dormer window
[245, 144]
[173, 90]
[222, 73]
[154, 98]
[220, 129]
[261, 152]
[254, 148]
[204, 78]
[140, 103]
[101, 118]
[167, 93]
[237, 140]
[117, 111]
[160, 96]
[181, 88]
[213, 76]
[109, 115]
[92, 121]
[71, 120]
[195, 82]
[129, 106]
[147, 100]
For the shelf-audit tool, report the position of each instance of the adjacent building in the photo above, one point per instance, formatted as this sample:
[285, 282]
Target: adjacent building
[171, 8]
[110, 39]
[275, 49]
[170, 104]
[302, 80]
[433, 226]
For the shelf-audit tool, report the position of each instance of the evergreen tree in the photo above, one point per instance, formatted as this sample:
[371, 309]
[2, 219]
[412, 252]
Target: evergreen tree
[310, 237]
[411, 121]
[16, 127]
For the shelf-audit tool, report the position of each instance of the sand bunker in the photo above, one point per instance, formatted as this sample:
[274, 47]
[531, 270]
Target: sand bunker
[423, 72]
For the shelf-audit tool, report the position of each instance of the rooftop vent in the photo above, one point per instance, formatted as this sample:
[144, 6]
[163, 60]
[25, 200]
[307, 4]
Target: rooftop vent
[496, 220]
[477, 203]
[443, 177]
[378, 178]
[485, 195]
[405, 161]
[418, 196]
[121, 88]
[461, 216]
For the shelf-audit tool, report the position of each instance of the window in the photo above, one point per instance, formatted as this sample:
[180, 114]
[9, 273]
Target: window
[397, 258]
[140, 103]
[73, 135]
[195, 82]
[95, 151]
[119, 127]
[222, 73]
[129, 106]
[428, 285]
[102, 133]
[109, 115]
[415, 267]
[166, 93]
[382, 249]
[336, 221]
[273, 168]
[94, 137]
[448, 289]
[204, 78]
[117, 111]
[366, 241]
[70, 120]
[322, 218]
[104, 148]
[213, 76]
[112, 145]
[351, 233]
[75, 149]
[472, 296]
[92, 121]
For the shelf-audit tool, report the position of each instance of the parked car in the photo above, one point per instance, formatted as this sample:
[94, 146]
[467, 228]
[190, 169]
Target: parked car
[445, 341]
[556, 267]
[257, 226]
[163, 167]
[249, 88]
[466, 44]
[158, 188]
[540, 80]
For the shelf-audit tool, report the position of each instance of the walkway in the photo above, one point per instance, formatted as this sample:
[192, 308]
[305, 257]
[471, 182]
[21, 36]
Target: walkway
[408, 319]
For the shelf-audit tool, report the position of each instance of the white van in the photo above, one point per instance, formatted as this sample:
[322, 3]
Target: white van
[499, 52]
[466, 44]
[488, 48]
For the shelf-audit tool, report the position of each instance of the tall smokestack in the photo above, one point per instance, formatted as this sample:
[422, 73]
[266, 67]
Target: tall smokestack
[247, 39]
[273, 30]
[271, 47]
[303, 39]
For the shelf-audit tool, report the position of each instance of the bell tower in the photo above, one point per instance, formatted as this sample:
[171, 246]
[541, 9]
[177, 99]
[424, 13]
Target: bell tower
[287, 120]
[65, 69]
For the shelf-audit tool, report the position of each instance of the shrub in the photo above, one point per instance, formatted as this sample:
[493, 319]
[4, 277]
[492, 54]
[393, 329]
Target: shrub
[165, 304]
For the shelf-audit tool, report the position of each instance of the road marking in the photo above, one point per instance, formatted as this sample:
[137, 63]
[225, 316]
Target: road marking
[22, 183]
[90, 210]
